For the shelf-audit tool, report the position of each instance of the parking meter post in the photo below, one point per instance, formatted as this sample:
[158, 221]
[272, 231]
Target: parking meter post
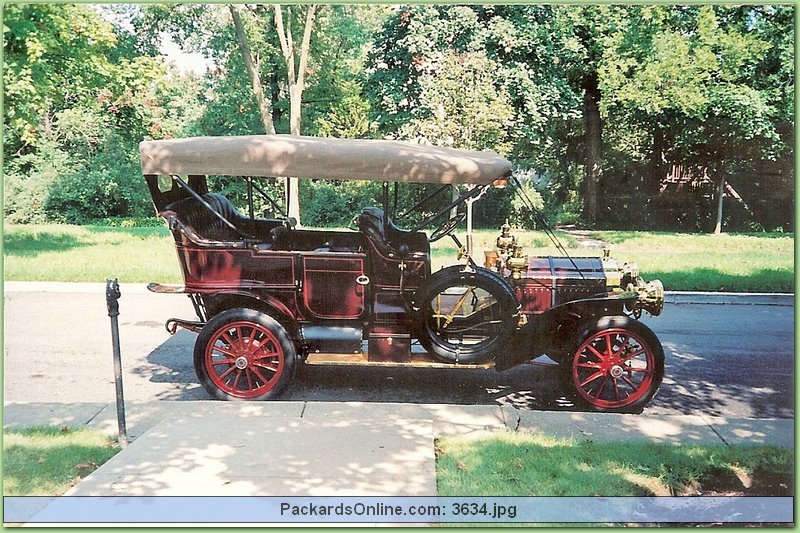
[112, 301]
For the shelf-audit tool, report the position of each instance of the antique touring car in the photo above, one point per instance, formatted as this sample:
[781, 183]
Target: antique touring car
[270, 296]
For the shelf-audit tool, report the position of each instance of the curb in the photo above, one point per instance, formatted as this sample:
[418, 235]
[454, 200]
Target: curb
[729, 298]
[70, 287]
[445, 419]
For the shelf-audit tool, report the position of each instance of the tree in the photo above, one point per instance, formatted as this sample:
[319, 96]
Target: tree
[296, 65]
[584, 30]
[459, 105]
[430, 71]
[690, 73]
[54, 56]
[80, 96]
[264, 105]
[547, 59]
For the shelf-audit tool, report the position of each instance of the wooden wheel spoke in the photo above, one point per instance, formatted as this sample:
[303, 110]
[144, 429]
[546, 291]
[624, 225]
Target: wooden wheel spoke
[235, 384]
[615, 385]
[227, 372]
[637, 353]
[259, 375]
[267, 351]
[251, 341]
[268, 364]
[227, 338]
[592, 377]
[599, 391]
[630, 383]
[609, 344]
[597, 354]
[225, 350]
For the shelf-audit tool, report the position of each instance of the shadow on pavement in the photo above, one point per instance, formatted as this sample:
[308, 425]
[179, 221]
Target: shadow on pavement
[525, 387]
[689, 387]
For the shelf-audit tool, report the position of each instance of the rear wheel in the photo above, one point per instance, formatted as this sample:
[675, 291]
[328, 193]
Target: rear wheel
[243, 354]
[463, 316]
[617, 366]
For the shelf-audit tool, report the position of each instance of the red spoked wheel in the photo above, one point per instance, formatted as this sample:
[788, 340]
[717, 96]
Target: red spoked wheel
[242, 354]
[618, 366]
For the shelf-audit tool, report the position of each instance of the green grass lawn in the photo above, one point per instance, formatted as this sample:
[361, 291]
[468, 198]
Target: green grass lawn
[526, 464]
[89, 253]
[760, 262]
[47, 461]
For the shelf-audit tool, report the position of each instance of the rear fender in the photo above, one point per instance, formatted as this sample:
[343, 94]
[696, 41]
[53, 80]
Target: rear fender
[221, 301]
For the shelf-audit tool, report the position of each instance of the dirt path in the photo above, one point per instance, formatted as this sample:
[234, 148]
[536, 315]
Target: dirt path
[584, 237]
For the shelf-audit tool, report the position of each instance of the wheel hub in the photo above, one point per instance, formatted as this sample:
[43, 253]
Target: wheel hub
[616, 371]
[241, 362]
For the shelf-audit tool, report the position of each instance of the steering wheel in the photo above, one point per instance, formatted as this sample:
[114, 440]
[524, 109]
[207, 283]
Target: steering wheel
[447, 228]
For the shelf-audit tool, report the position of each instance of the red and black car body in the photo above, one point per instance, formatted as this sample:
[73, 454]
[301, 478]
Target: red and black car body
[270, 296]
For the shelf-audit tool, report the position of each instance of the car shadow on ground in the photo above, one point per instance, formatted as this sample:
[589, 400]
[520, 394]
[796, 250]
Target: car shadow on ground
[525, 387]
[529, 387]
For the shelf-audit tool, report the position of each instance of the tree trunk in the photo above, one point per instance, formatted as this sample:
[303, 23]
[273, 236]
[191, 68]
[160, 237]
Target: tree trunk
[657, 160]
[593, 143]
[264, 105]
[296, 86]
[47, 118]
[720, 198]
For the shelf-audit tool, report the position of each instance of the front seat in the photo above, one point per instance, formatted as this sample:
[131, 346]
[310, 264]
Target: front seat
[388, 239]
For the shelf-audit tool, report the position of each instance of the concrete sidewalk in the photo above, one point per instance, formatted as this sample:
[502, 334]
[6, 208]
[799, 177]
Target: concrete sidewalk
[211, 448]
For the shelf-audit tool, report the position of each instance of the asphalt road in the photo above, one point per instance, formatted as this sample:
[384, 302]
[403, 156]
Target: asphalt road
[721, 360]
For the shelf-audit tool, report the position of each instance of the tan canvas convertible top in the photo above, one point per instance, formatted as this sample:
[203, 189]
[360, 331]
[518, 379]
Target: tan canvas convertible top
[318, 157]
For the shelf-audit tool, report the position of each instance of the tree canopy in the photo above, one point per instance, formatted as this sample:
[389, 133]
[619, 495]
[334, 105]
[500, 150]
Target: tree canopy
[626, 116]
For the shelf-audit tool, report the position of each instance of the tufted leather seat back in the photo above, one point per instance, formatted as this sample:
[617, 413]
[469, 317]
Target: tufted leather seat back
[204, 222]
[390, 241]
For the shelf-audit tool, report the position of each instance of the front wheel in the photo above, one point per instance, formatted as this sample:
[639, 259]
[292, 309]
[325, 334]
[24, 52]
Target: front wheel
[617, 366]
[243, 354]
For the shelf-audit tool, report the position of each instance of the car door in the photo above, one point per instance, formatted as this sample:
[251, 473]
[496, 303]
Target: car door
[334, 286]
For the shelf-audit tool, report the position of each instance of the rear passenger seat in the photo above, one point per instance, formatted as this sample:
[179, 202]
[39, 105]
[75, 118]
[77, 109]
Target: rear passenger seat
[204, 223]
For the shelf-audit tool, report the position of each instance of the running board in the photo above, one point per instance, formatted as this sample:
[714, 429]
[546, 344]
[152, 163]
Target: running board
[362, 359]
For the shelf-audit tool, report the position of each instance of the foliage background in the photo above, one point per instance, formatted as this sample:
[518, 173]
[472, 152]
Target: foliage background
[595, 104]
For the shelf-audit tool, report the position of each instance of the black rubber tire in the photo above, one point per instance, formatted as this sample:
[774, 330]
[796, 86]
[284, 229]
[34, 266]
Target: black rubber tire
[505, 314]
[616, 366]
[244, 354]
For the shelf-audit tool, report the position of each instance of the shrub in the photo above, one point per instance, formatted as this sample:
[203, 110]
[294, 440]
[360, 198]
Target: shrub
[82, 197]
[28, 178]
[110, 185]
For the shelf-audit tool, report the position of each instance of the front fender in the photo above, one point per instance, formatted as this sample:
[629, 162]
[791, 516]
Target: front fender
[548, 332]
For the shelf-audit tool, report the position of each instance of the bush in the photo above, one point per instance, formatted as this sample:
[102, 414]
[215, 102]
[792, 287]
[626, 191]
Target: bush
[23, 197]
[110, 185]
[28, 179]
[324, 206]
[83, 197]
[526, 204]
